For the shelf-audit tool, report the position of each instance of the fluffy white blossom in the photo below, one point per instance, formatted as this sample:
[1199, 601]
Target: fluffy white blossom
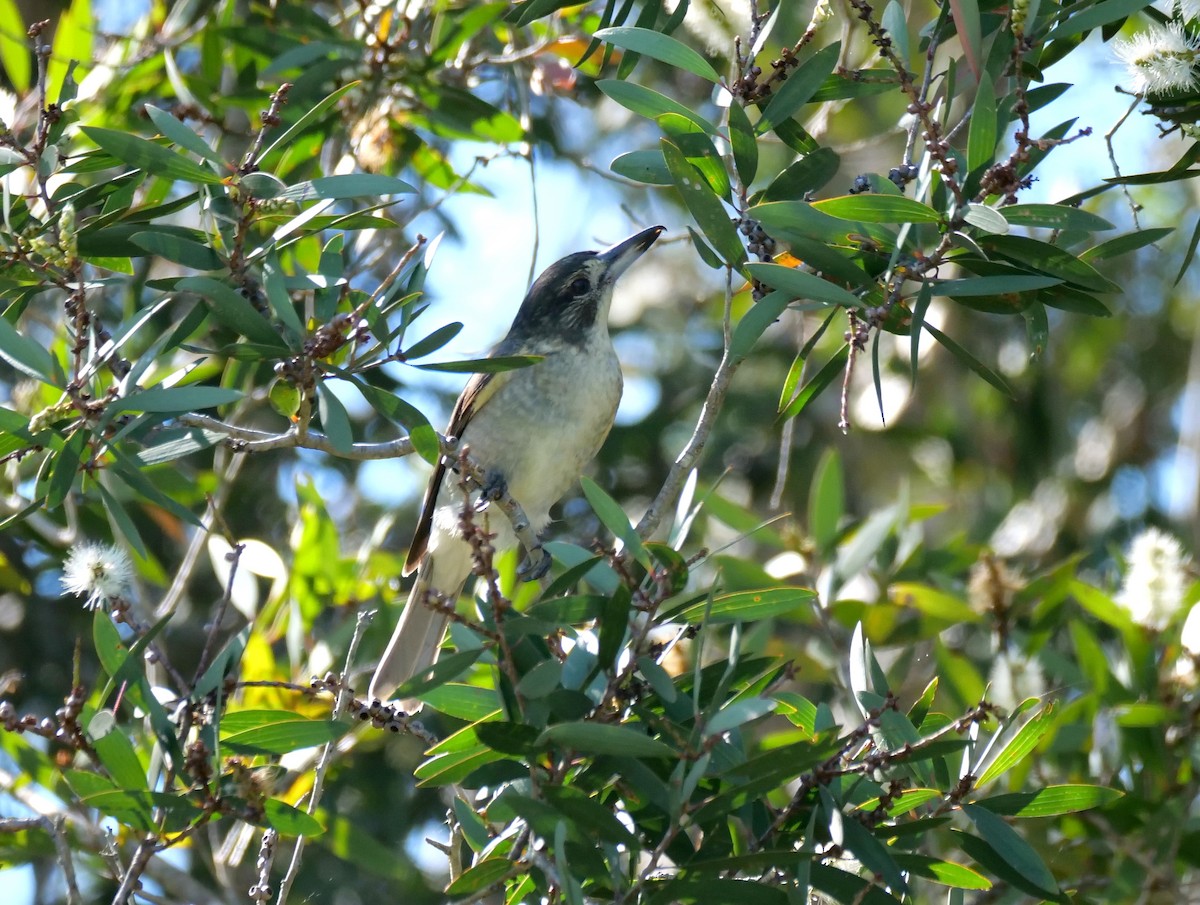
[1160, 59]
[101, 571]
[1154, 579]
[1189, 638]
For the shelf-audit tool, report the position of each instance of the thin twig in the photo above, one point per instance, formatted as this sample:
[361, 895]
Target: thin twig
[344, 694]
[54, 827]
[214, 628]
[687, 458]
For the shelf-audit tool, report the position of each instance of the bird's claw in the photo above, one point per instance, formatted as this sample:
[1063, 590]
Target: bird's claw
[493, 488]
[531, 570]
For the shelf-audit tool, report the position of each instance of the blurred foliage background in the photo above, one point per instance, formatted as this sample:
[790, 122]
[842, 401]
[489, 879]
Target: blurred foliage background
[980, 538]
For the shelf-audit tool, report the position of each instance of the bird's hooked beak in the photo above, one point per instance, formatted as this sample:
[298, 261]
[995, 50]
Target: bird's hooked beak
[618, 258]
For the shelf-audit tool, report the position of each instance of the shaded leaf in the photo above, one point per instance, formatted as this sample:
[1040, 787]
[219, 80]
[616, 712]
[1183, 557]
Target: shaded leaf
[661, 47]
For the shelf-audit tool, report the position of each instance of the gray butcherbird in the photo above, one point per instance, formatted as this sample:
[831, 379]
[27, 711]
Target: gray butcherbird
[530, 430]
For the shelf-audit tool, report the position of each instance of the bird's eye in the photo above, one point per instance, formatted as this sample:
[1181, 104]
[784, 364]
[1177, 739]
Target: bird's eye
[579, 286]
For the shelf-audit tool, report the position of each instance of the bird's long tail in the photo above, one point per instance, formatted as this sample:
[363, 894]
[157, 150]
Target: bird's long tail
[418, 636]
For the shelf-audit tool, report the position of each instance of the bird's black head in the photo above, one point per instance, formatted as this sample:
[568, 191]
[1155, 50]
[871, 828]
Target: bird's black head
[574, 293]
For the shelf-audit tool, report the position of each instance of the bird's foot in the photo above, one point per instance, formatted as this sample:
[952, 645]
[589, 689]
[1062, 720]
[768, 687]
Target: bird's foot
[493, 488]
[536, 564]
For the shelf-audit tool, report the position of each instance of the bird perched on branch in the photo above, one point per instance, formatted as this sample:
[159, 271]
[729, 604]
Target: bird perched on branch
[530, 431]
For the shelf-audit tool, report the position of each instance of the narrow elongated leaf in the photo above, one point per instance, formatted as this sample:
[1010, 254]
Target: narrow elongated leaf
[650, 103]
[808, 174]
[289, 820]
[660, 47]
[234, 311]
[1054, 216]
[432, 342]
[755, 322]
[176, 399]
[276, 731]
[14, 53]
[1120, 245]
[647, 167]
[285, 138]
[1018, 749]
[828, 373]
[27, 356]
[1052, 801]
[971, 361]
[183, 136]
[348, 185]
[704, 205]
[997, 285]
[1015, 851]
[178, 249]
[148, 156]
[876, 208]
[745, 145]
[495, 365]
[803, 285]
[605, 738]
[613, 517]
[799, 88]
[981, 140]
[481, 876]
[748, 606]
[1050, 259]
[1095, 16]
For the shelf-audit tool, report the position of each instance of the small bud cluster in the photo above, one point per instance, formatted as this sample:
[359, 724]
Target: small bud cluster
[902, 175]
[64, 728]
[861, 185]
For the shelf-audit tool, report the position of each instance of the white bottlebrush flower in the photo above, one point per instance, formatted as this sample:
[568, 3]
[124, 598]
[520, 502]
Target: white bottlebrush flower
[1160, 59]
[1154, 579]
[101, 571]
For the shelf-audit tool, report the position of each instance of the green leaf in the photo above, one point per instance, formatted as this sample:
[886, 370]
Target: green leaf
[148, 156]
[481, 876]
[176, 248]
[1051, 801]
[1034, 255]
[334, 419]
[613, 517]
[605, 738]
[1015, 851]
[464, 702]
[799, 88]
[808, 174]
[826, 499]
[660, 47]
[276, 731]
[181, 135]
[348, 185]
[1018, 749]
[986, 218]
[66, 469]
[971, 361]
[705, 207]
[494, 365]
[966, 21]
[286, 138]
[981, 140]
[932, 602]
[803, 285]
[649, 103]
[1102, 13]
[1054, 216]
[116, 752]
[744, 144]
[992, 285]
[647, 167]
[947, 873]
[748, 606]
[289, 820]
[811, 390]
[755, 322]
[30, 358]
[175, 399]
[234, 311]
[14, 52]
[1120, 245]
[875, 208]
